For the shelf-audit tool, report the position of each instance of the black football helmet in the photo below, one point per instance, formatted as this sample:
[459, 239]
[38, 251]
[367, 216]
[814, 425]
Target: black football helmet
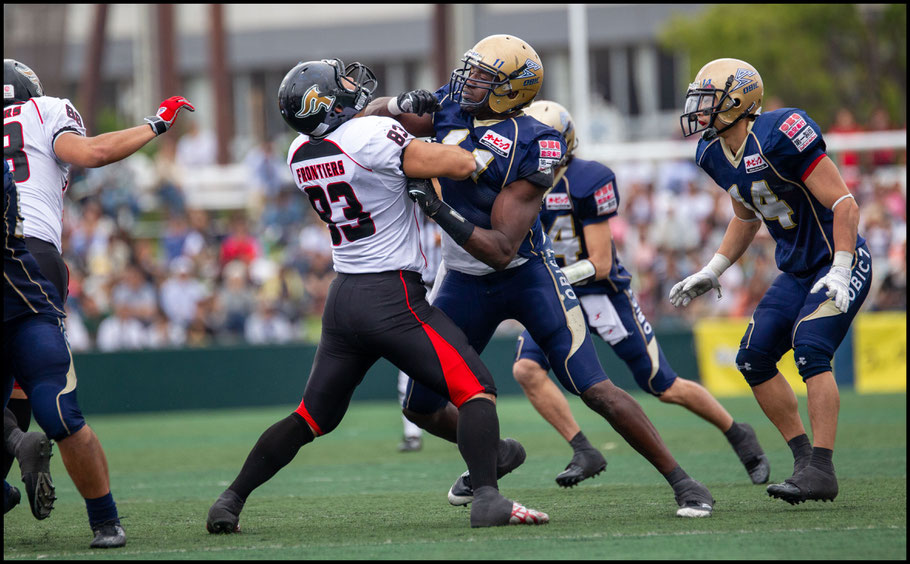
[19, 83]
[316, 97]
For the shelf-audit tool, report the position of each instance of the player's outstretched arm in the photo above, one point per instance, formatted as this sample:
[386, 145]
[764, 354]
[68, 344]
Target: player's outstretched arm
[827, 185]
[599, 243]
[740, 232]
[100, 150]
[432, 160]
[413, 110]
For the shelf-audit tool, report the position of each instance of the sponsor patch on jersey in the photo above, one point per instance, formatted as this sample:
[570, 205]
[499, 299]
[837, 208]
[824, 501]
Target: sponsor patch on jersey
[805, 138]
[606, 199]
[550, 149]
[755, 163]
[792, 125]
[557, 202]
[9, 92]
[500, 145]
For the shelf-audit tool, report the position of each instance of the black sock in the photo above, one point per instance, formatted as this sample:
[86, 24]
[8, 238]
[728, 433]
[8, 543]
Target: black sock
[735, 433]
[821, 459]
[676, 476]
[276, 447]
[478, 440]
[800, 446]
[580, 442]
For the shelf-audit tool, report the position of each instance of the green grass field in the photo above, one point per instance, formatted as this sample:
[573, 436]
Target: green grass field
[350, 495]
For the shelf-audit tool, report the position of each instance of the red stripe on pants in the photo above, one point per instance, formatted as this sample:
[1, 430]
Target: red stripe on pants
[460, 380]
[301, 411]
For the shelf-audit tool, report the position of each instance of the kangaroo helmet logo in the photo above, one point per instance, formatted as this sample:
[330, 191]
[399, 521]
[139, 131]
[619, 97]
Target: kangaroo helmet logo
[313, 102]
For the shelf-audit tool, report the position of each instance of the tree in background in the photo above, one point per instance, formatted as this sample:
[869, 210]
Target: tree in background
[819, 57]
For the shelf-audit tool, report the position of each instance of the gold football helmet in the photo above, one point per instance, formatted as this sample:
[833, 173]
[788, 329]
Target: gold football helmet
[557, 117]
[514, 70]
[724, 92]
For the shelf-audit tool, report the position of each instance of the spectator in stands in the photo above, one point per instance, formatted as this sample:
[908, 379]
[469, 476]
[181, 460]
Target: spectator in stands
[239, 244]
[181, 292]
[121, 331]
[267, 325]
[135, 295]
[164, 334]
[196, 147]
[235, 300]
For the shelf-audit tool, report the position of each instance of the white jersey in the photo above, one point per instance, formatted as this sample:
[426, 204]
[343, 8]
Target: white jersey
[354, 181]
[30, 130]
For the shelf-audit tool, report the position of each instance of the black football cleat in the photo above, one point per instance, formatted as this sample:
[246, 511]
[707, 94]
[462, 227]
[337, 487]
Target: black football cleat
[693, 499]
[809, 484]
[752, 456]
[224, 515]
[585, 464]
[34, 456]
[493, 510]
[108, 535]
[11, 499]
[510, 458]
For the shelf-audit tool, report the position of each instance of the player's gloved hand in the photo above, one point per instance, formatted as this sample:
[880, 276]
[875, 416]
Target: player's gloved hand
[837, 280]
[167, 113]
[414, 102]
[421, 191]
[702, 281]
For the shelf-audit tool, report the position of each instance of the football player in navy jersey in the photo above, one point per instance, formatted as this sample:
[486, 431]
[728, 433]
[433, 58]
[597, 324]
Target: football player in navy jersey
[36, 352]
[500, 264]
[776, 171]
[576, 215]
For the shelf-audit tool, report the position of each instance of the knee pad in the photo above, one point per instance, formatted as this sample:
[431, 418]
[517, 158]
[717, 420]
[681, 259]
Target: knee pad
[756, 367]
[811, 361]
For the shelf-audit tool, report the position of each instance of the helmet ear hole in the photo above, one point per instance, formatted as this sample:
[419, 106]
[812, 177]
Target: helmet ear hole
[735, 102]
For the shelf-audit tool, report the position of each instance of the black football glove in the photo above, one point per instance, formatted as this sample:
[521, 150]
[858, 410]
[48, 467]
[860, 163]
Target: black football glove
[417, 102]
[421, 191]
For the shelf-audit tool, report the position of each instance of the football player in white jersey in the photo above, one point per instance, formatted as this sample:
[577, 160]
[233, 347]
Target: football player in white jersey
[43, 136]
[355, 173]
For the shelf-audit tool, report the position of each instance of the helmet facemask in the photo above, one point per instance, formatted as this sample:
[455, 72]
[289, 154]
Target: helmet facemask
[499, 85]
[356, 84]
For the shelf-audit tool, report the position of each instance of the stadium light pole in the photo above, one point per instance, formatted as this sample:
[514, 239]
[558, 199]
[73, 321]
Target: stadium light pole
[578, 65]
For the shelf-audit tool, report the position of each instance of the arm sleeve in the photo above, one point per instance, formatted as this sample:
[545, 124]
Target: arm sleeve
[381, 146]
[539, 161]
[598, 199]
[797, 144]
[61, 116]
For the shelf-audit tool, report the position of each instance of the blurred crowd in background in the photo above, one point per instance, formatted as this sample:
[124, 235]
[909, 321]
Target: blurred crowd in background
[147, 270]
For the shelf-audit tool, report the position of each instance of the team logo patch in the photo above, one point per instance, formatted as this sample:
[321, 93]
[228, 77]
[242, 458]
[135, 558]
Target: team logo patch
[805, 138]
[557, 202]
[312, 102]
[742, 78]
[792, 125]
[606, 199]
[528, 69]
[755, 163]
[500, 145]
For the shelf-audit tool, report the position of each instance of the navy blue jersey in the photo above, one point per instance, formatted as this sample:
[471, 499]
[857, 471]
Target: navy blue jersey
[586, 194]
[511, 149]
[25, 290]
[768, 176]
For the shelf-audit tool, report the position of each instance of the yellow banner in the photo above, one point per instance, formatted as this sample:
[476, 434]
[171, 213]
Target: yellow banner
[716, 344]
[880, 352]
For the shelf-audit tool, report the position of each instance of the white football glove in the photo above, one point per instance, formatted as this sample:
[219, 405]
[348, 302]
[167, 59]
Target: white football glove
[702, 281]
[837, 280]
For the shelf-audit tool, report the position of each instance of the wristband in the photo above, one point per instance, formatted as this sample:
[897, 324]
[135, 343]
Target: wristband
[157, 124]
[718, 264]
[843, 259]
[393, 107]
[453, 223]
[579, 271]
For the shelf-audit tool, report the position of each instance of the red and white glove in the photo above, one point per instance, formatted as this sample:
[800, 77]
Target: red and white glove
[167, 113]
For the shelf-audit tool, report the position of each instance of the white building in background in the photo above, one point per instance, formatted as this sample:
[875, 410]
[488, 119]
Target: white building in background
[636, 87]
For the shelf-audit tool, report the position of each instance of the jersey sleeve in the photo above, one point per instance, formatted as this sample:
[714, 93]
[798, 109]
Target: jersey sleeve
[594, 194]
[796, 145]
[60, 116]
[540, 159]
[382, 144]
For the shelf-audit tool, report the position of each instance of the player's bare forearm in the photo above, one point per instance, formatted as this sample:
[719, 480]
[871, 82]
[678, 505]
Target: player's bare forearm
[737, 238]
[846, 224]
[599, 242]
[512, 216]
[418, 126]
[93, 152]
[431, 160]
